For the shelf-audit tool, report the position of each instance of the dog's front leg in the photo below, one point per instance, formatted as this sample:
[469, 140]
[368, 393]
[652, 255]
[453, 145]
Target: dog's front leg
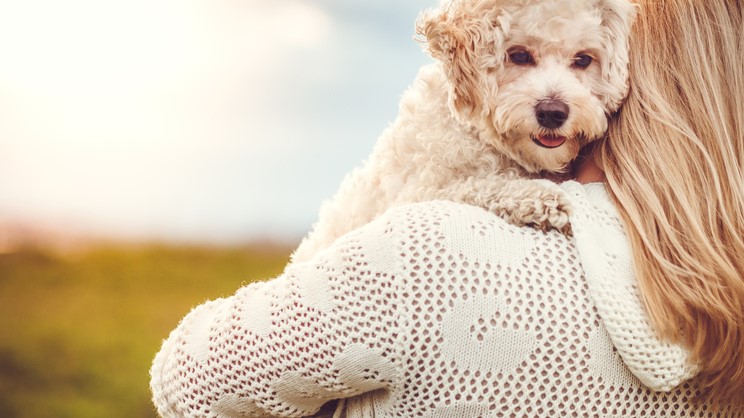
[522, 202]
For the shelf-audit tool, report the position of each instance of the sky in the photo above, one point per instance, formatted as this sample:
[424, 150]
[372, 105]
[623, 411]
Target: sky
[194, 120]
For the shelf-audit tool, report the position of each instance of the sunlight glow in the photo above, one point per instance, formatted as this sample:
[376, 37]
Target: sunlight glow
[106, 105]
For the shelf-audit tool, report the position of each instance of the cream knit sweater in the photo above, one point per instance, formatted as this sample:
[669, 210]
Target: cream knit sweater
[437, 310]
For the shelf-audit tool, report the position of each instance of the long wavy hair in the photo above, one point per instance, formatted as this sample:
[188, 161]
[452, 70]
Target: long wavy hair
[674, 162]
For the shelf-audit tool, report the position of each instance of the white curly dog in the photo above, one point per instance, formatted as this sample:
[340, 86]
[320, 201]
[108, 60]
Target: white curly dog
[519, 87]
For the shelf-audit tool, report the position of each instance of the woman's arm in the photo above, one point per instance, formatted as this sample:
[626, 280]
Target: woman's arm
[322, 330]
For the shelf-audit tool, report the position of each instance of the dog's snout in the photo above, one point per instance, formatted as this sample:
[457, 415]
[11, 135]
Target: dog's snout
[551, 114]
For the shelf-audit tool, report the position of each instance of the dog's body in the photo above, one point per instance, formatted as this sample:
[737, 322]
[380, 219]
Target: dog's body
[510, 100]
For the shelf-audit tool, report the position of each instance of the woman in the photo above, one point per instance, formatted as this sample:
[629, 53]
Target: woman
[444, 310]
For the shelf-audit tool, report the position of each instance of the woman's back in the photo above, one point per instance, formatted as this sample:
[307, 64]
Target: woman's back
[437, 310]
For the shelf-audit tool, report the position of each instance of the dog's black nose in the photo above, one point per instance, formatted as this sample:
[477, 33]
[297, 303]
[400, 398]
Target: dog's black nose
[551, 114]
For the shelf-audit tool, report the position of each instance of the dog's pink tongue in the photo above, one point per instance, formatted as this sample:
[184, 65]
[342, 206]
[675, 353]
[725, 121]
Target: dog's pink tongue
[552, 141]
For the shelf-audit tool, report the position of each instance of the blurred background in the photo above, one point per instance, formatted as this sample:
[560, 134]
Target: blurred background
[158, 153]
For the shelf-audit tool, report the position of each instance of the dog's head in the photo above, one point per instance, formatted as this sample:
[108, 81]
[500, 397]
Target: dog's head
[538, 78]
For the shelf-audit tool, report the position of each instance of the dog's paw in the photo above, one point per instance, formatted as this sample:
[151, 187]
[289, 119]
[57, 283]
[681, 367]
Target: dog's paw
[554, 214]
[541, 206]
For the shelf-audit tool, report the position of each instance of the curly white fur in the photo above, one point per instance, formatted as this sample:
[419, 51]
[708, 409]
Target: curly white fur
[467, 128]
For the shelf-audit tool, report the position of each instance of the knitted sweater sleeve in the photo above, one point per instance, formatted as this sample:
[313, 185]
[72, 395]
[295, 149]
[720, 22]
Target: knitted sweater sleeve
[324, 329]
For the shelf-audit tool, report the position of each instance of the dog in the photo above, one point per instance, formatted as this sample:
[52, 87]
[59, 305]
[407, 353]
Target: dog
[517, 88]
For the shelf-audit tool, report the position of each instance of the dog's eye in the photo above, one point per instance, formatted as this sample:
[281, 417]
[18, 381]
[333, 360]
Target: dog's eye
[521, 57]
[582, 61]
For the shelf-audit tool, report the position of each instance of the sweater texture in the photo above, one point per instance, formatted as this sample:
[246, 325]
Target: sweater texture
[437, 310]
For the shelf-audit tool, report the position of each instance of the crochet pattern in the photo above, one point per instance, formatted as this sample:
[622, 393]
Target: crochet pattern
[436, 310]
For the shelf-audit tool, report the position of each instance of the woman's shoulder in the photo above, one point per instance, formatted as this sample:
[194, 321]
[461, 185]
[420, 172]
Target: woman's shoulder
[437, 213]
[590, 199]
[436, 208]
[593, 197]
[447, 229]
[589, 203]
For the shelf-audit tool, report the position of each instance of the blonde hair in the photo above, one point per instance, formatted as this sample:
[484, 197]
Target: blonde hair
[674, 161]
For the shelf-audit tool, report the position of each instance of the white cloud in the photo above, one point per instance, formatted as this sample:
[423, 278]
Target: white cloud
[302, 24]
[180, 116]
[88, 81]
[141, 67]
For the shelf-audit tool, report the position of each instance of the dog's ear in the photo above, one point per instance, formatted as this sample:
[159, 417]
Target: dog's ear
[617, 20]
[452, 37]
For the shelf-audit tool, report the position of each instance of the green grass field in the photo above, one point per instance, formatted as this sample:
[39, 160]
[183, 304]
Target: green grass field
[78, 332]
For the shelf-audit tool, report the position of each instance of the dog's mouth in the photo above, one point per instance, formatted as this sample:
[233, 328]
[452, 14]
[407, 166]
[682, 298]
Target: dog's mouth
[549, 141]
